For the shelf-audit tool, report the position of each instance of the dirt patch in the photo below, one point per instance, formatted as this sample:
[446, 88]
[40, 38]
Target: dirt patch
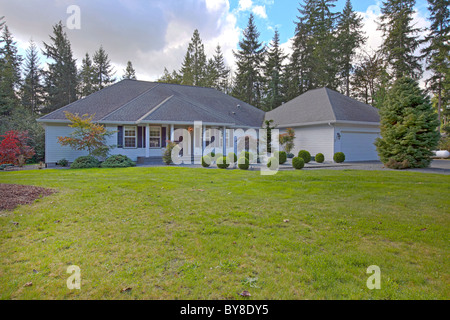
[12, 195]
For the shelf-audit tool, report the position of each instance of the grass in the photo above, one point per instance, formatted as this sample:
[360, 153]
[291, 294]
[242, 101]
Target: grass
[177, 233]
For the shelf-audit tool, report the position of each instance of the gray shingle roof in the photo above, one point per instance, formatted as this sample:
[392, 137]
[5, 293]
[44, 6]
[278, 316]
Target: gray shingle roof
[322, 105]
[140, 101]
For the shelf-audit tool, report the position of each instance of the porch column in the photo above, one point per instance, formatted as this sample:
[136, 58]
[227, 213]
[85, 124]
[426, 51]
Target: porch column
[172, 133]
[203, 139]
[147, 141]
[225, 141]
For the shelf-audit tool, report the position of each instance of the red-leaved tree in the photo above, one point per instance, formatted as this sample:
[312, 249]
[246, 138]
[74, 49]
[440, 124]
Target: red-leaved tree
[14, 146]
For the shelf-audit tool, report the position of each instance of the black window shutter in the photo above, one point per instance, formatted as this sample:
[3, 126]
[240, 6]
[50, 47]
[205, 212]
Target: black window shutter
[139, 137]
[120, 137]
[144, 137]
[163, 137]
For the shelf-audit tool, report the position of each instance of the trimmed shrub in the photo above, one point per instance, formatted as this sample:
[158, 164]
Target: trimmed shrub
[339, 157]
[85, 162]
[217, 157]
[320, 158]
[232, 158]
[305, 155]
[243, 163]
[206, 161]
[273, 161]
[167, 155]
[298, 163]
[118, 161]
[282, 156]
[62, 163]
[247, 155]
[222, 162]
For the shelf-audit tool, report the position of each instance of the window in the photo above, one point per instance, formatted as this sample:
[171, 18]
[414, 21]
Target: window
[155, 137]
[130, 137]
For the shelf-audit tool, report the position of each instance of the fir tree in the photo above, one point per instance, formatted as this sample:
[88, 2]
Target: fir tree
[193, 69]
[408, 127]
[314, 61]
[87, 77]
[350, 38]
[221, 71]
[273, 72]
[400, 38]
[104, 73]
[129, 72]
[2, 23]
[250, 56]
[32, 92]
[174, 77]
[61, 79]
[437, 52]
[10, 62]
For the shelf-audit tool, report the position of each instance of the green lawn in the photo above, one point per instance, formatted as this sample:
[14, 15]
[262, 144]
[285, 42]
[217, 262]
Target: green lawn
[177, 233]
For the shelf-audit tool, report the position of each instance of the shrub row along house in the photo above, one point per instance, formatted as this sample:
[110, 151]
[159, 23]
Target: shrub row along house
[145, 115]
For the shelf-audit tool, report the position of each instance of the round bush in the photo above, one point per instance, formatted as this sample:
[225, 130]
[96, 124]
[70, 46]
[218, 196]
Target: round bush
[273, 162]
[282, 156]
[232, 157]
[85, 162]
[305, 155]
[206, 161]
[243, 163]
[217, 157]
[320, 158]
[118, 161]
[298, 163]
[247, 155]
[339, 157]
[62, 163]
[222, 163]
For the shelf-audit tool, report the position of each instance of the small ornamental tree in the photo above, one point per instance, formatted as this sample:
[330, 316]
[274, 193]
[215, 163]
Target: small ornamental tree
[287, 140]
[87, 135]
[14, 147]
[408, 127]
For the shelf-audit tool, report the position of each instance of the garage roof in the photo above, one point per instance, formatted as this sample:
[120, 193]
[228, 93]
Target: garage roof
[322, 106]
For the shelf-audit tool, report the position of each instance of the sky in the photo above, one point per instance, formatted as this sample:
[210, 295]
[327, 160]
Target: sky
[154, 34]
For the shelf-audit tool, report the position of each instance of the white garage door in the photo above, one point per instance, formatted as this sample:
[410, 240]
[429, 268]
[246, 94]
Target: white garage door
[359, 146]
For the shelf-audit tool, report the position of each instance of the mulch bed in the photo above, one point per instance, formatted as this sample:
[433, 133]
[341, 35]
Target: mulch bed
[12, 195]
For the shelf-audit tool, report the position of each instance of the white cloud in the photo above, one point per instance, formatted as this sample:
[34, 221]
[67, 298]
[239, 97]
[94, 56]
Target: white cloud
[245, 5]
[260, 11]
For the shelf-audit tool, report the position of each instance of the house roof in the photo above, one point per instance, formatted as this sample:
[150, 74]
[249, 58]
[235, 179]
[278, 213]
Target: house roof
[132, 101]
[322, 106]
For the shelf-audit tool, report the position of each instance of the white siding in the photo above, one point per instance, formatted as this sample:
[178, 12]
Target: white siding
[314, 139]
[357, 143]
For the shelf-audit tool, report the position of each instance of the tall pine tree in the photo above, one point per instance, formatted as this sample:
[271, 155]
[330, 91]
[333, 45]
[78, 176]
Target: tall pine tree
[250, 56]
[104, 73]
[129, 72]
[222, 71]
[61, 78]
[87, 77]
[437, 52]
[194, 65]
[32, 92]
[10, 79]
[350, 38]
[400, 38]
[273, 73]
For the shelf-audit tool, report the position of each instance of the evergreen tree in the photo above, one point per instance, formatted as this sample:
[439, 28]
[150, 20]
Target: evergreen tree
[408, 127]
[350, 39]
[437, 52]
[221, 70]
[129, 72]
[314, 62]
[250, 56]
[32, 92]
[87, 77]
[273, 72]
[193, 69]
[103, 70]
[174, 77]
[61, 79]
[2, 23]
[10, 62]
[400, 38]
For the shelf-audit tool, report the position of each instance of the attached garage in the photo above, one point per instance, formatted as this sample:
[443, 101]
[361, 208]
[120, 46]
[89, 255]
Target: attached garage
[326, 121]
